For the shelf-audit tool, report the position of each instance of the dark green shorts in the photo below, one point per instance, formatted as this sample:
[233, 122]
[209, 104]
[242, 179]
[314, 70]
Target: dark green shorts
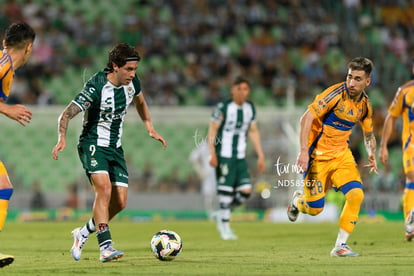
[96, 159]
[232, 175]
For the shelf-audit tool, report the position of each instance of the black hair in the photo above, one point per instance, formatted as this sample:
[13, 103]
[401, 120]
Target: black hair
[240, 80]
[121, 54]
[18, 34]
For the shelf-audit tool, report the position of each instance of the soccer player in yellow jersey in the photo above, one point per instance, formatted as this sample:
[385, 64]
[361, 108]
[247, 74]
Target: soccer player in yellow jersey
[402, 106]
[17, 47]
[325, 157]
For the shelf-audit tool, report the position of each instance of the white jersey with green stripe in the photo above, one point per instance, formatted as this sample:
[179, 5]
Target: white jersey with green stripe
[105, 107]
[234, 120]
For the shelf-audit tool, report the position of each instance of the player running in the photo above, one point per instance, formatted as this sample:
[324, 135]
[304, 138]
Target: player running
[325, 156]
[403, 106]
[105, 99]
[17, 48]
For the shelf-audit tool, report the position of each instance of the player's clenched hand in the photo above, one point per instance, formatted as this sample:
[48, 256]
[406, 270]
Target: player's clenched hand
[261, 164]
[60, 146]
[18, 112]
[213, 160]
[372, 164]
[302, 161]
[158, 137]
[383, 155]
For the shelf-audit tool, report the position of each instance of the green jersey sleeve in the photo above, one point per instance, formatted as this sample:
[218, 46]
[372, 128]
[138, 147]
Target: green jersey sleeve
[91, 91]
[86, 97]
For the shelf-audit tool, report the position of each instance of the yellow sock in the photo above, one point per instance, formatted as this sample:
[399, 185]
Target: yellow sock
[5, 195]
[4, 204]
[408, 201]
[350, 212]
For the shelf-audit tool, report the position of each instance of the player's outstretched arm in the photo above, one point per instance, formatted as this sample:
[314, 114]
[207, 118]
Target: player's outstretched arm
[305, 127]
[389, 124]
[63, 121]
[17, 112]
[143, 112]
[212, 140]
[254, 135]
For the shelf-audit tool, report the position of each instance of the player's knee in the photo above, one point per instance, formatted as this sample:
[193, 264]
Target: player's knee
[355, 195]
[243, 195]
[353, 192]
[225, 200]
[246, 191]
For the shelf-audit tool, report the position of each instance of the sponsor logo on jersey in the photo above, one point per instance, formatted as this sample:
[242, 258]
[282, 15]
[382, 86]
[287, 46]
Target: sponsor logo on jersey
[321, 103]
[131, 91]
[94, 163]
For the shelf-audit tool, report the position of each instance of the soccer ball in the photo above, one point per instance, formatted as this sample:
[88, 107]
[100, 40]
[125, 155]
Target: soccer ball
[166, 245]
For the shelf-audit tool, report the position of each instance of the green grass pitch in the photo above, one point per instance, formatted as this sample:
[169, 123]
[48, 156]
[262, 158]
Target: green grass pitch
[42, 248]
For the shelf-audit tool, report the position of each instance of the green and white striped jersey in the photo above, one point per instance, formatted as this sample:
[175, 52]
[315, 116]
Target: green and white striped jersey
[235, 120]
[105, 107]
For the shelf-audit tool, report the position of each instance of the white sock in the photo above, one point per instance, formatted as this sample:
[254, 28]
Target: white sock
[91, 225]
[225, 213]
[87, 228]
[342, 237]
[84, 231]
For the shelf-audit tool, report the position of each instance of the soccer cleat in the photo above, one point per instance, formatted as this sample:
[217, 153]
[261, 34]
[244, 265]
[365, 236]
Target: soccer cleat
[409, 235]
[228, 235]
[5, 259]
[225, 234]
[343, 251]
[292, 210]
[110, 254]
[409, 226]
[79, 241]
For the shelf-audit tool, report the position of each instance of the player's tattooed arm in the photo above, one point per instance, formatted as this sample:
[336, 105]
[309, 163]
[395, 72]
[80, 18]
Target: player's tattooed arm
[370, 146]
[70, 111]
[370, 143]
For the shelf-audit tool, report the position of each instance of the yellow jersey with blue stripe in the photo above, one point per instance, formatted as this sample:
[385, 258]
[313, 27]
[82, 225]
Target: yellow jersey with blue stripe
[402, 106]
[6, 75]
[335, 115]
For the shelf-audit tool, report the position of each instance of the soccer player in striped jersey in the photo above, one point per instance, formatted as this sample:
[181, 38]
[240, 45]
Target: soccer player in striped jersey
[105, 99]
[17, 48]
[231, 122]
[403, 106]
[325, 156]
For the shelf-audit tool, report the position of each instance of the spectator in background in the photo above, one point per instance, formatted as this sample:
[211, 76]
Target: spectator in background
[147, 177]
[200, 158]
[72, 196]
[38, 200]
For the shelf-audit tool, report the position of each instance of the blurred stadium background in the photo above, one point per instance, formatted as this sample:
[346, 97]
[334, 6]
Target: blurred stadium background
[191, 52]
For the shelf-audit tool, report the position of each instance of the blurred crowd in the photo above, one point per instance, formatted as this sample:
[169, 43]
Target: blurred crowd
[194, 49]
